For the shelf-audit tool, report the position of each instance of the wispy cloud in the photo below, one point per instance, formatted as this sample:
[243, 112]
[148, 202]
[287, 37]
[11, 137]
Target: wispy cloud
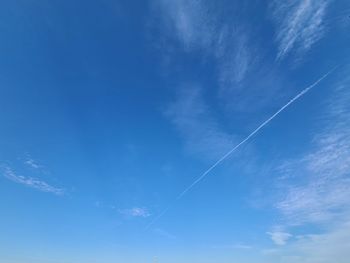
[135, 212]
[299, 24]
[188, 21]
[198, 27]
[195, 122]
[324, 189]
[32, 163]
[31, 182]
[332, 246]
[254, 132]
[233, 148]
[316, 192]
[245, 79]
[279, 237]
[236, 57]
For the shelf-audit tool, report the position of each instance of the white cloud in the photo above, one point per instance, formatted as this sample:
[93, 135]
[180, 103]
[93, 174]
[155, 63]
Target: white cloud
[331, 246]
[135, 212]
[197, 26]
[32, 163]
[299, 24]
[323, 193]
[188, 21]
[31, 182]
[279, 237]
[316, 192]
[196, 123]
[235, 57]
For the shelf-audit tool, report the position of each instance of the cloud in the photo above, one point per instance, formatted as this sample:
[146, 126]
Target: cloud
[331, 246]
[197, 26]
[315, 192]
[194, 120]
[31, 182]
[135, 212]
[252, 134]
[32, 163]
[322, 193]
[186, 121]
[299, 24]
[235, 57]
[280, 238]
[203, 32]
[188, 21]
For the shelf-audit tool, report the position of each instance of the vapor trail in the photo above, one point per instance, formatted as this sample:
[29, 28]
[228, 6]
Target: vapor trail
[201, 177]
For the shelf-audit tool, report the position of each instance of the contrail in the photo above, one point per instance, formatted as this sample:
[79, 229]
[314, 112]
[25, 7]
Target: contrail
[201, 177]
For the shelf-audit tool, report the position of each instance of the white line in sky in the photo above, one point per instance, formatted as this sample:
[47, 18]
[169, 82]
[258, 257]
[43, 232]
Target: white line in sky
[201, 177]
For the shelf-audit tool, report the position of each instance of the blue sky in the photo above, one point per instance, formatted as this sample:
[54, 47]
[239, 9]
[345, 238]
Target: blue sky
[109, 110]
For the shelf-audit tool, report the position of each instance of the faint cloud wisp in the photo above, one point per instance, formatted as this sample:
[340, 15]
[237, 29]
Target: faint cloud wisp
[196, 27]
[279, 237]
[135, 212]
[315, 190]
[325, 169]
[31, 182]
[196, 123]
[299, 24]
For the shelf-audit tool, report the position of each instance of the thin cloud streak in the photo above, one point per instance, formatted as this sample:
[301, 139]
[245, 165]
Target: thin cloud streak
[189, 21]
[253, 133]
[135, 212]
[32, 163]
[196, 27]
[192, 117]
[314, 189]
[299, 24]
[279, 237]
[31, 182]
[332, 246]
[323, 196]
[200, 178]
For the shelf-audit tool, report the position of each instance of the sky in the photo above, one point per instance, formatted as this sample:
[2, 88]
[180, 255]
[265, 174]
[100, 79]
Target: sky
[175, 131]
